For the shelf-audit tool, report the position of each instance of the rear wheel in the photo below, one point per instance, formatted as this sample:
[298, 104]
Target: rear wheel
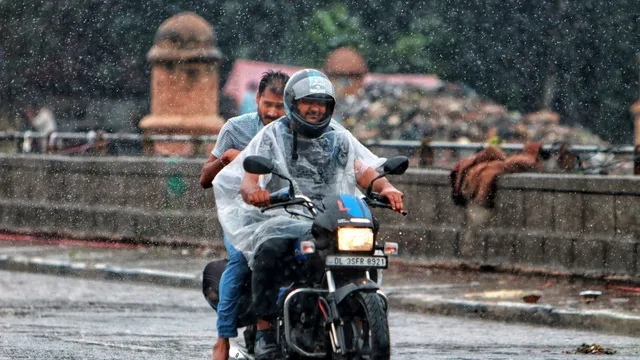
[366, 329]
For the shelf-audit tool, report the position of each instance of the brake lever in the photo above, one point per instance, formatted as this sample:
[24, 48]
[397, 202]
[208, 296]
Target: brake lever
[403, 212]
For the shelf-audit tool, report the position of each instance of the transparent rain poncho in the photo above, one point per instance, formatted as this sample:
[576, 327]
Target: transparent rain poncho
[325, 166]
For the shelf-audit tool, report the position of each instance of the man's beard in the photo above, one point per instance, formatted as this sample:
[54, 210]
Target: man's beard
[266, 119]
[317, 114]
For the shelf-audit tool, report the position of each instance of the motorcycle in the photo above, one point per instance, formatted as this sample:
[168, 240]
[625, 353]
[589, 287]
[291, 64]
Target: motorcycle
[336, 310]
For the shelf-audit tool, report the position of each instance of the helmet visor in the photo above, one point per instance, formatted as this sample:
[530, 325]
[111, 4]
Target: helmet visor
[315, 87]
[320, 98]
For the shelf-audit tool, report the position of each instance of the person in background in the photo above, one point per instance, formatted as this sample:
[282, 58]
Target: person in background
[248, 104]
[39, 120]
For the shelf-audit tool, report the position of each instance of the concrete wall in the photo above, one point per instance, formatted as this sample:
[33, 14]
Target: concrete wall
[568, 223]
[141, 199]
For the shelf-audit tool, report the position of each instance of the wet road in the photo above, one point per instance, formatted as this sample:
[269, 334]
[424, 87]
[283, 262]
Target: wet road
[68, 318]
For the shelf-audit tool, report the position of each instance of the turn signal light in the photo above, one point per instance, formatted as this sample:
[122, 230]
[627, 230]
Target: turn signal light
[390, 248]
[307, 247]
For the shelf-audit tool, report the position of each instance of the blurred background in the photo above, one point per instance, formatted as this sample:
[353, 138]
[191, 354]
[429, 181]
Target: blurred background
[550, 70]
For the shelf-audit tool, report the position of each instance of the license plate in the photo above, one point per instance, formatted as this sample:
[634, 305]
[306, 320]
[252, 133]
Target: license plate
[357, 261]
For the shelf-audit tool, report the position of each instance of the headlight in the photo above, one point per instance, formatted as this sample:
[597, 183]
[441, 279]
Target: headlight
[355, 239]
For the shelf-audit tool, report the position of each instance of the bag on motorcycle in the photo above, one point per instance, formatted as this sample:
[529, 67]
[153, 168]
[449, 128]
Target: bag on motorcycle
[211, 281]
[210, 288]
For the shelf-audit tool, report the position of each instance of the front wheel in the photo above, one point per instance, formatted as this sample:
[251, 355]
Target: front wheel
[366, 329]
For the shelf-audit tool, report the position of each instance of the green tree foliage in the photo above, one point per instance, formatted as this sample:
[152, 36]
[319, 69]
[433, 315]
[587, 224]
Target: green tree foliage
[332, 28]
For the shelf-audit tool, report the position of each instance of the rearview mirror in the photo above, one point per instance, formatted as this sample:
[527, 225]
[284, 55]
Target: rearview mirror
[257, 165]
[397, 165]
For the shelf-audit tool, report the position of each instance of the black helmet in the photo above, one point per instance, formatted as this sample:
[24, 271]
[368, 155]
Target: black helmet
[310, 84]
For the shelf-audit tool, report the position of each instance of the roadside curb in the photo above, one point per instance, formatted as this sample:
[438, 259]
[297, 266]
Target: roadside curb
[603, 320]
[100, 271]
[594, 320]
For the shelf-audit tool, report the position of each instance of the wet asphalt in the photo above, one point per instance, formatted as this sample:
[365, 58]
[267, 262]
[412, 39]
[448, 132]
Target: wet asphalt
[54, 317]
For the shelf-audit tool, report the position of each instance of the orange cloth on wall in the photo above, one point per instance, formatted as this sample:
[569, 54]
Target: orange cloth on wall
[474, 178]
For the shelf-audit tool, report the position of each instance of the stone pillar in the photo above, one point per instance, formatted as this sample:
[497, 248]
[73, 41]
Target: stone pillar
[184, 84]
[635, 110]
[346, 69]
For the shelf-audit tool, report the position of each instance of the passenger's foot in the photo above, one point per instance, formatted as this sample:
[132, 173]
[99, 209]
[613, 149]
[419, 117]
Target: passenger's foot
[266, 347]
[221, 350]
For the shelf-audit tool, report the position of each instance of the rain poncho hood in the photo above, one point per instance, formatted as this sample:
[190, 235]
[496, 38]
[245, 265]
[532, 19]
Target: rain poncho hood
[324, 166]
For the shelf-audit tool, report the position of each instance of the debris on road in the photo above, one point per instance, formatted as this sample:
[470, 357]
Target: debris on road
[594, 349]
[532, 297]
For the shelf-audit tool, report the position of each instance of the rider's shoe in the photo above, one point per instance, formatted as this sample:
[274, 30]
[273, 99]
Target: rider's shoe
[266, 347]
[250, 338]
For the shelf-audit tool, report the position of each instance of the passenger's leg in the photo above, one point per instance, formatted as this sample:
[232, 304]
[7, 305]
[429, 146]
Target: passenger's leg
[231, 285]
[230, 288]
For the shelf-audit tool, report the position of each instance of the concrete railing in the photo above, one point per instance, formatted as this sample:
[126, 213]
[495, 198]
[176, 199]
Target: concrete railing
[568, 223]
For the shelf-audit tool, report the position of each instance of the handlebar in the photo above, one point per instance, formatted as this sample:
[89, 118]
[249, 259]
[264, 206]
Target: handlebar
[279, 197]
[377, 200]
[282, 199]
[279, 202]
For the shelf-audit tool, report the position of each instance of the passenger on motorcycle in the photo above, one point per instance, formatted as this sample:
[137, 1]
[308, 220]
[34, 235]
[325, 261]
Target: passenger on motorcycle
[321, 159]
[234, 136]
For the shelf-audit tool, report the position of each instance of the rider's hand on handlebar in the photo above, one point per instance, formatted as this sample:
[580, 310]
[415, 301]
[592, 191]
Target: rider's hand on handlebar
[395, 198]
[258, 198]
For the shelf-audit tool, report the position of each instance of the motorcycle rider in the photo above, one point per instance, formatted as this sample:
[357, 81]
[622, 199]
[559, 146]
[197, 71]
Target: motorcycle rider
[321, 159]
[234, 136]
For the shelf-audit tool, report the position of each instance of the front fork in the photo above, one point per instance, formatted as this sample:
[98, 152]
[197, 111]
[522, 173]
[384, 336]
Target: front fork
[336, 332]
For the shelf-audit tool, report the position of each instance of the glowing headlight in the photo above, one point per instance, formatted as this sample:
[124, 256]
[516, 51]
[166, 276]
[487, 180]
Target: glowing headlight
[355, 239]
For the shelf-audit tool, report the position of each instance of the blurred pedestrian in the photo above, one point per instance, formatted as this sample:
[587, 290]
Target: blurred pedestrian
[248, 104]
[40, 120]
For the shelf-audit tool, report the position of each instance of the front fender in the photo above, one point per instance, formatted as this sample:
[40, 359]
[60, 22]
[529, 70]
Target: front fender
[358, 285]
